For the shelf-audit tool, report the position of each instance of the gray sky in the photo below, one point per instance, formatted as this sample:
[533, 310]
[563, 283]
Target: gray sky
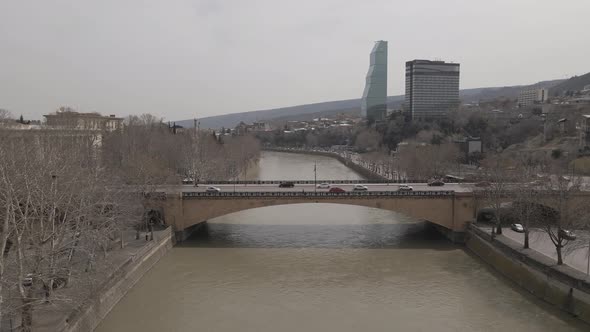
[184, 58]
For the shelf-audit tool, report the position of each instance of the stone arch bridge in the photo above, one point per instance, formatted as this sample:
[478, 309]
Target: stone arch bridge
[450, 211]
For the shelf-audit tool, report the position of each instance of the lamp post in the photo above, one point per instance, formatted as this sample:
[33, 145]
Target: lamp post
[315, 177]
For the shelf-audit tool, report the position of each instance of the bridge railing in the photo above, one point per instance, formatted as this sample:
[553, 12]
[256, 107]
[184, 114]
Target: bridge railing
[319, 194]
[313, 181]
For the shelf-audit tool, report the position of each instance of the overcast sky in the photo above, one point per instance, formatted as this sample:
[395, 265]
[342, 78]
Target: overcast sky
[181, 59]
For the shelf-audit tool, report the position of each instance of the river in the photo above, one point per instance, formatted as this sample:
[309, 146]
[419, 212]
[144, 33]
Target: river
[325, 267]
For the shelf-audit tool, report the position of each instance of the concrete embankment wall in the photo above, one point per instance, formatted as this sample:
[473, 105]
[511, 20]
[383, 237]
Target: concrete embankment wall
[561, 286]
[123, 279]
[367, 174]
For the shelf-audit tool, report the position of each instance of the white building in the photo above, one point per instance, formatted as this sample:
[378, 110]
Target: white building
[532, 96]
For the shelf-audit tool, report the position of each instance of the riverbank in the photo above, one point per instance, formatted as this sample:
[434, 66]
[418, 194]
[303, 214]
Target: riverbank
[364, 172]
[559, 285]
[117, 275]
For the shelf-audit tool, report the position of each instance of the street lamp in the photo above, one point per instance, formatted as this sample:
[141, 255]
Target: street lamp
[315, 177]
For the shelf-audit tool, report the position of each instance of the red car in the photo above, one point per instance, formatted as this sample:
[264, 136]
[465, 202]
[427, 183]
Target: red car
[336, 190]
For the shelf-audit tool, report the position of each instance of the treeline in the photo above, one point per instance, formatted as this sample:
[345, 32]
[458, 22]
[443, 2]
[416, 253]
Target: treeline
[68, 197]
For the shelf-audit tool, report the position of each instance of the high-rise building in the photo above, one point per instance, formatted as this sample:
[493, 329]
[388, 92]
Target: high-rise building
[432, 88]
[532, 96]
[374, 101]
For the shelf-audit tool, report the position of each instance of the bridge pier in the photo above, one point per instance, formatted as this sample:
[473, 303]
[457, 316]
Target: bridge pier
[453, 236]
[182, 235]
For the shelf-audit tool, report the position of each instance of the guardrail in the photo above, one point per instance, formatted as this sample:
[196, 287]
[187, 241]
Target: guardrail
[311, 181]
[318, 194]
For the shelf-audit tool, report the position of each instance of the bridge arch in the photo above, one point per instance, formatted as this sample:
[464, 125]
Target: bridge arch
[452, 211]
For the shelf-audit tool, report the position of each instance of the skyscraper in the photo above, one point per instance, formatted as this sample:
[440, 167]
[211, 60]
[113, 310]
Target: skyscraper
[374, 101]
[432, 88]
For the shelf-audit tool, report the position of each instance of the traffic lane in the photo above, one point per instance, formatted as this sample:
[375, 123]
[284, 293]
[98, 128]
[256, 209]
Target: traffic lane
[311, 187]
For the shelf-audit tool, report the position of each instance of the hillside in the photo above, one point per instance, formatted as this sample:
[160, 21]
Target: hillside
[575, 83]
[352, 106]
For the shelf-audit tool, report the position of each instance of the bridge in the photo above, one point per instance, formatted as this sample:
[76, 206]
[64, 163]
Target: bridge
[450, 207]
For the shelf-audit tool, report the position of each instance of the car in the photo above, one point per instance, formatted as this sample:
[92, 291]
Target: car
[536, 183]
[323, 186]
[517, 228]
[286, 185]
[187, 181]
[436, 183]
[336, 190]
[360, 187]
[212, 189]
[404, 187]
[483, 184]
[568, 235]
[28, 280]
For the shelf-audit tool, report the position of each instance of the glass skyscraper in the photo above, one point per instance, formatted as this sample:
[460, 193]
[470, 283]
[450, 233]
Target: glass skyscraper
[374, 101]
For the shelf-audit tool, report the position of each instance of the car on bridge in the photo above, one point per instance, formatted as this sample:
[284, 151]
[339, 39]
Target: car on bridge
[404, 187]
[336, 190]
[436, 183]
[212, 189]
[482, 184]
[324, 185]
[286, 185]
[360, 187]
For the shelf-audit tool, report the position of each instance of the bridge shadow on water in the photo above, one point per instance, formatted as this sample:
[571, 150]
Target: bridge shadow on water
[371, 236]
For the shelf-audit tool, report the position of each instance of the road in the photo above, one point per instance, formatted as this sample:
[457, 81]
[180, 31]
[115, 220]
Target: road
[457, 187]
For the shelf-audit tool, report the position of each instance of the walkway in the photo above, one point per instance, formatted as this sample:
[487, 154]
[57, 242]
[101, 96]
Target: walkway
[540, 242]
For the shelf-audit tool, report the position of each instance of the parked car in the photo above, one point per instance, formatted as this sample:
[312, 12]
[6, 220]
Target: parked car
[212, 189]
[286, 185]
[336, 190]
[404, 187]
[323, 186]
[517, 228]
[360, 187]
[568, 235]
[187, 181]
[28, 280]
[436, 183]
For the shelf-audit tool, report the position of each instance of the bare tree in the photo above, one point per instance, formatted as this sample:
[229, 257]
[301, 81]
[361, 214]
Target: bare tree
[569, 212]
[497, 193]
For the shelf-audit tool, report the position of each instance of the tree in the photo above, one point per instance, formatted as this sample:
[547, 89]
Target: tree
[496, 194]
[527, 194]
[568, 212]
[60, 211]
[5, 115]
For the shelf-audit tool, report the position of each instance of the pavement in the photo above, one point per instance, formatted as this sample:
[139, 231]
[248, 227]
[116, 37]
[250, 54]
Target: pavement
[457, 187]
[540, 242]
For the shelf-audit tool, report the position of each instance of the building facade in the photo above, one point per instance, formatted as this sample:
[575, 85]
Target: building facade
[83, 121]
[374, 101]
[432, 88]
[532, 96]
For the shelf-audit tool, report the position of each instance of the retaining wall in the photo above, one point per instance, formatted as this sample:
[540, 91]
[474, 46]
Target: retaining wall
[561, 286]
[94, 311]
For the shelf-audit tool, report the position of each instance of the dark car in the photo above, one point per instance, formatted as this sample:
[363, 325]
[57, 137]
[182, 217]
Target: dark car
[436, 183]
[568, 235]
[286, 185]
[336, 190]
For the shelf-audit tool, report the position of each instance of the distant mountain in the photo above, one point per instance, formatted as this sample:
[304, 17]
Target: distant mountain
[352, 106]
